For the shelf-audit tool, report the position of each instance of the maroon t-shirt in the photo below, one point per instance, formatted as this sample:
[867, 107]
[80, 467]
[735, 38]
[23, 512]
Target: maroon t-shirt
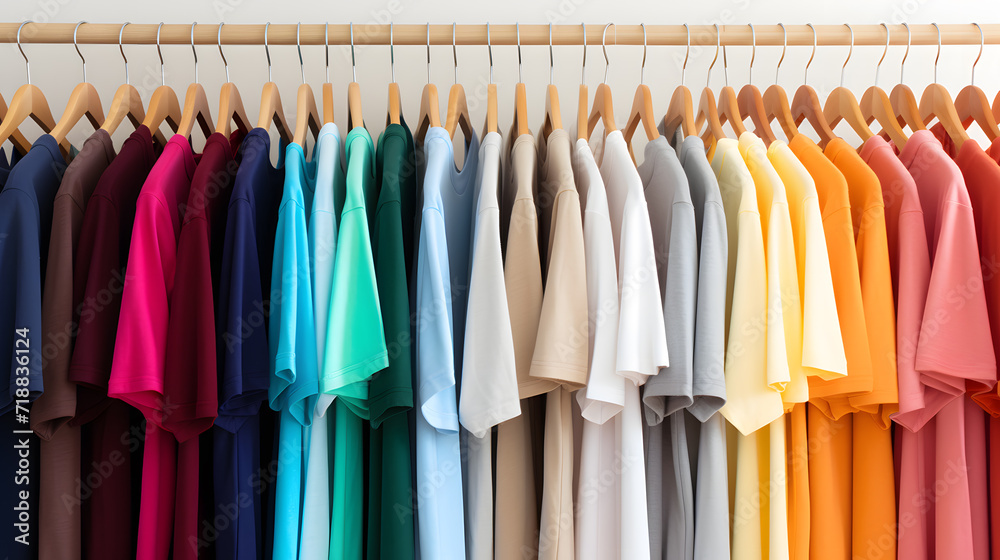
[108, 445]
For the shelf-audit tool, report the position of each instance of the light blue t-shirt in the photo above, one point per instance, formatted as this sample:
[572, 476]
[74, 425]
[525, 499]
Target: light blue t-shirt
[292, 341]
[328, 200]
[441, 301]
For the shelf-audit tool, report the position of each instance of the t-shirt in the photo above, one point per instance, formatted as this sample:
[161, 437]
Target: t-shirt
[137, 371]
[669, 485]
[241, 317]
[294, 381]
[708, 451]
[560, 353]
[26, 205]
[642, 341]
[598, 531]
[351, 361]
[59, 457]
[327, 203]
[489, 380]
[390, 394]
[442, 274]
[99, 273]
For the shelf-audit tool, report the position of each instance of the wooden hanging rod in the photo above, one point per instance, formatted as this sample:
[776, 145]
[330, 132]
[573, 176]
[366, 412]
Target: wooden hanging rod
[500, 34]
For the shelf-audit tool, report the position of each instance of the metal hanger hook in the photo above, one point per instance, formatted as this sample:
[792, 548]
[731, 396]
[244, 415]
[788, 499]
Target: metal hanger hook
[326, 44]
[725, 65]
[552, 59]
[159, 53]
[77, 47]
[267, 52]
[642, 69]
[849, 52]
[193, 50]
[583, 72]
[805, 73]
[225, 62]
[428, 52]
[784, 47]
[354, 64]
[753, 51]
[938, 55]
[122, 49]
[517, 30]
[884, 52]
[687, 53]
[718, 43]
[454, 50]
[906, 53]
[982, 39]
[27, 65]
[298, 45]
[392, 57]
[604, 47]
[489, 48]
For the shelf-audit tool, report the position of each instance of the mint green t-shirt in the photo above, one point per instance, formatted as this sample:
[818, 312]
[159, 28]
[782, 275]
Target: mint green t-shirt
[355, 347]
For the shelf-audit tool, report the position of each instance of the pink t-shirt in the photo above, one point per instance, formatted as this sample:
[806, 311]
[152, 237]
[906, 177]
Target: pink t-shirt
[137, 371]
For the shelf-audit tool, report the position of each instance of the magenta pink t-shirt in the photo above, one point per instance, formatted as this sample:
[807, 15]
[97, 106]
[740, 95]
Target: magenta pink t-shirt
[137, 370]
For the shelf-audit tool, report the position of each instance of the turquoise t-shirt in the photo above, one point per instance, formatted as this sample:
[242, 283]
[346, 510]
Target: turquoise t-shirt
[355, 347]
[292, 342]
[328, 200]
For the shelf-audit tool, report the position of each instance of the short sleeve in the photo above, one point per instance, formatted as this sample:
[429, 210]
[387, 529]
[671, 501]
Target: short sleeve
[709, 383]
[822, 343]
[435, 367]
[642, 342]
[489, 377]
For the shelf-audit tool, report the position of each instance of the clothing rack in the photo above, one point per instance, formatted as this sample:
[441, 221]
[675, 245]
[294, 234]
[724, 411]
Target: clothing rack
[499, 34]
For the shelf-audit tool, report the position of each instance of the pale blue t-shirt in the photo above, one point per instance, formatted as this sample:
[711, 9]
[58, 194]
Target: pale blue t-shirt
[441, 301]
[292, 341]
[314, 541]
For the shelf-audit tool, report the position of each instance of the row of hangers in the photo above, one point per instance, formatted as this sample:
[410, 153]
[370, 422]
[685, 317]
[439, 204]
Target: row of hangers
[892, 111]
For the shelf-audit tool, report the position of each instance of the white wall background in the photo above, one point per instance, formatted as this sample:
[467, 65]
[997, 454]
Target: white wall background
[56, 68]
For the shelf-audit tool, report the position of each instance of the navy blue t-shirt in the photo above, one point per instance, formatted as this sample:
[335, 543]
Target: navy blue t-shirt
[242, 451]
[25, 223]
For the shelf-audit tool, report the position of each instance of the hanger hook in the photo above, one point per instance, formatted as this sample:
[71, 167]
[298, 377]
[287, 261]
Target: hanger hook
[718, 42]
[753, 51]
[805, 73]
[159, 53]
[552, 59]
[982, 40]
[725, 64]
[27, 65]
[687, 53]
[849, 52]
[938, 55]
[489, 48]
[267, 52]
[583, 72]
[454, 50]
[326, 44]
[122, 49]
[642, 69]
[428, 52]
[884, 51]
[193, 50]
[784, 47]
[354, 66]
[906, 53]
[517, 29]
[298, 46]
[77, 47]
[604, 47]
[222, 54]
[392, 57]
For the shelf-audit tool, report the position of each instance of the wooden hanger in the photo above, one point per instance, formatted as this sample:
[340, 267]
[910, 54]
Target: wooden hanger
[458, 107]
[842, 105]
[327, 93]
[17, 138]
[84, 101]
[726, 106]
[553, 114]
[492, 120]
[680, 112]
[806, 105]
[520, 124]
[195, 103]
[972, 104]
[163, 105]
[775, 99]
[28, 102]
[306, 114]
[875, 105]
[430, 108]
[355, 117]
[750, 103]
[271, 108]
[904, 104]
[708, 112]
[603, 108]
[936, 103]
[230, 103]
[127, 103]
[642, 106]
[394, 113]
